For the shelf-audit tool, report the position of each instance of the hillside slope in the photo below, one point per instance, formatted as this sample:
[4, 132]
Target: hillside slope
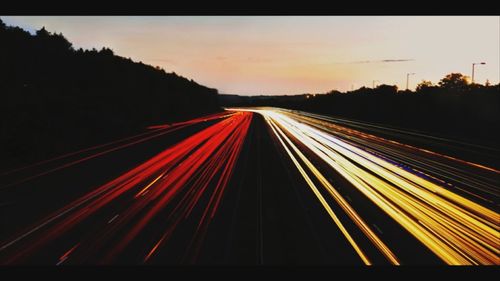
[55, 99]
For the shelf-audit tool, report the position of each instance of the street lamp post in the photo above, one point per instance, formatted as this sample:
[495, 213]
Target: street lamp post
[373, 83]
[473, 64]
[408, 79]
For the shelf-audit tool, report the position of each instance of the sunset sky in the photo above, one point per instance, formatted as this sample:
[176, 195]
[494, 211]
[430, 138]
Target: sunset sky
[290, 54]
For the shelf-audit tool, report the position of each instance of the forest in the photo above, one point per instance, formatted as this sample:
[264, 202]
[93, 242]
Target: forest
[55, 98]
[453, 108]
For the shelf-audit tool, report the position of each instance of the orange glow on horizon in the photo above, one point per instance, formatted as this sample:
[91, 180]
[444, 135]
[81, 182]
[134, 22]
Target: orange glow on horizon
[293, 55]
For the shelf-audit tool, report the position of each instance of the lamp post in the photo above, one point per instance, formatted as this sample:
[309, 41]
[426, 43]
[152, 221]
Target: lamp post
[473, 64]
[408, 79]
[373, 83]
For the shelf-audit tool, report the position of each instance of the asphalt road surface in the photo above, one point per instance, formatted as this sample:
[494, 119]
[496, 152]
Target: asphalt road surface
[260, 186]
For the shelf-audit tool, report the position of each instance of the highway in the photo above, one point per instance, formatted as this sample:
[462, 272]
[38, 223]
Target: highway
[255, 186]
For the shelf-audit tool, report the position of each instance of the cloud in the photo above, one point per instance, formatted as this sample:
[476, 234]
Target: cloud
[380, 61]
[398, 60]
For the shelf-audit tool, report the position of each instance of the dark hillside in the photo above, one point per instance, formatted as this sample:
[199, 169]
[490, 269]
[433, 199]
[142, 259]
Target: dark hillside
[54, 99]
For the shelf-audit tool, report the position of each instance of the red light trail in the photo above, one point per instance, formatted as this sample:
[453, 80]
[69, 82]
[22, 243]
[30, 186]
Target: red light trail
[385, 199]
[185, 176]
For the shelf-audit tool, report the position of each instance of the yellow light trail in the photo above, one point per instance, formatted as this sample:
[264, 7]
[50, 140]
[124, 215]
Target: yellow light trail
[458, 230]
[149, 185]
[396, 150]
[323, 201]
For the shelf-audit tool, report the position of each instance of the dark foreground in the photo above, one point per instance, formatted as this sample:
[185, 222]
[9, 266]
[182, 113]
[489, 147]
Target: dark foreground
[230, 189]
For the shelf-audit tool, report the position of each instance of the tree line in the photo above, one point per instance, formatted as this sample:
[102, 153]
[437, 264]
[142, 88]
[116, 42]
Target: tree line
[453, 107]
[451, 83]
[55, 98]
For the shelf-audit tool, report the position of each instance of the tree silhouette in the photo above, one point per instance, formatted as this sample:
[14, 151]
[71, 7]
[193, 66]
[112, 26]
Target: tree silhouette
[106, 52]
[54, 98]
[453, 108]
[424, 85]
[454, 82]
[386, 89]
[42, 33]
